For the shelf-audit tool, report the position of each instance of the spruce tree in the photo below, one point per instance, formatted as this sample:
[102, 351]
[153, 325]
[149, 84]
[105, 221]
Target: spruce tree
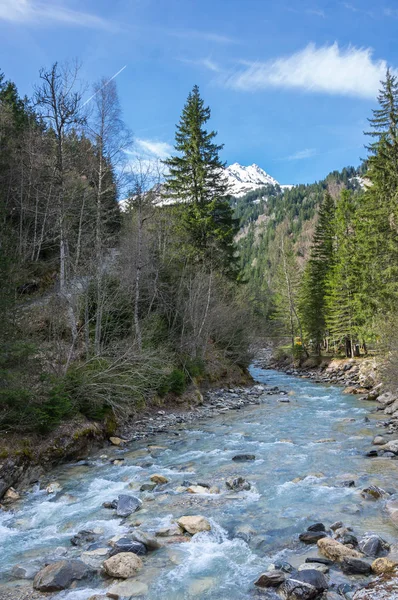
[312, 303]
[196, 182]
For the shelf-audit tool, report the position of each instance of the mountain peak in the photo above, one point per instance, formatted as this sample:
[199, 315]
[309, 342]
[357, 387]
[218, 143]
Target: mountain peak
[243, 179]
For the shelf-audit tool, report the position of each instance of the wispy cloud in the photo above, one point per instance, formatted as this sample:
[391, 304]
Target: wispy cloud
[205, 36]
[154, 149]
[327, 69]
[356, 9]
[302, 154]
[205, 63]
[391, 12]
[40, 12]
[317, 12]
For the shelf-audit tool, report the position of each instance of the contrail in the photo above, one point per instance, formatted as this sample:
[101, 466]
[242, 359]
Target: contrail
[105, 84]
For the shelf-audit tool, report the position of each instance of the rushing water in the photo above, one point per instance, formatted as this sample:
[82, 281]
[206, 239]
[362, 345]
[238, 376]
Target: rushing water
[295, 481]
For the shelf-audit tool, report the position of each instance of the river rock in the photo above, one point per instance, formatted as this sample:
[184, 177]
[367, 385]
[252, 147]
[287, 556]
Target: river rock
[373, 493]
[126, 544]
[156, 478]
[317, 527]
[60, 575]
[391, 408]
[238, 484]
[293, 589]
[117, 441]
[197, 489]
[146, 538]
[85, 536]
[379, 589]
[384, 565]
[355, 566]
[124, 565]
[270, 579]
[112, 504]
[95, 558]
[337, 525]
[53, 488]
[10, 496]
[386, 398]
[243, 457]
[391, 446]
[126, 505]
[314, 567]
[313, 577]
[170, 531]
[127, 589]
[311, 537]
[194, 524]
[317, 559]
[147, 487]
[373, 545]
[378, 440]
[335, 550]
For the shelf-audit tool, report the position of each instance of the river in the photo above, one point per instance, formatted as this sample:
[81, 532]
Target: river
[296, 480]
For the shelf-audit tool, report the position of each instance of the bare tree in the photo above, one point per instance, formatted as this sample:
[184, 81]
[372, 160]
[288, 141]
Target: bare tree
[111, 139]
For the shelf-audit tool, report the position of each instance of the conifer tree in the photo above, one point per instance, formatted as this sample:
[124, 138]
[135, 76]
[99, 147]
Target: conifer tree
[312, 303]
[343, 313]
[196, 182]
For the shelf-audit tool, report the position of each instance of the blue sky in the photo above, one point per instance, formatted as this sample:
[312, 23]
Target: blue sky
[290, 82]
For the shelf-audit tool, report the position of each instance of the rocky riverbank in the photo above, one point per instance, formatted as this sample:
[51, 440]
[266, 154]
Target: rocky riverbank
[120, 566]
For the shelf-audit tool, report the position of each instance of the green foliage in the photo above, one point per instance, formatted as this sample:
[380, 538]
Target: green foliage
[196, 177]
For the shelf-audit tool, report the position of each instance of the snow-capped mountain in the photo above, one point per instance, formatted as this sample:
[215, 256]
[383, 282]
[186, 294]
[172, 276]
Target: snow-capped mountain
[245, 179]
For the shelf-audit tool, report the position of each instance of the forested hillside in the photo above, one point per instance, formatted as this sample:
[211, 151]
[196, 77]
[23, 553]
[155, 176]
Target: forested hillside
[103, 310]
[321, 260]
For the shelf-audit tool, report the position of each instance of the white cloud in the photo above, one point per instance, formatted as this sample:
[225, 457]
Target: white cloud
[154, 148]
[31, 11]
[317, 12]
[327, 69]
[302, 154]
[206, 63]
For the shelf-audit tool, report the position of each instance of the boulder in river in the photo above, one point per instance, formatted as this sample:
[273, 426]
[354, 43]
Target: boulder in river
[157, 478]
[194, 524]
[85, 536]
[60, 575]
[355, 566]
[53, 488]
[373, 545]
[314, 566]
[270, 579]
[117, 441]
[126, 505]
[316, 527]
[197, 489]
[243, 457]
[313, 577]
[10, 496]
[311, 537]
[384, 565]
[335, 550]
[126, 544]
[373, 493]
[391, 446]
[238, 484]
[123, 565]
[293, 589]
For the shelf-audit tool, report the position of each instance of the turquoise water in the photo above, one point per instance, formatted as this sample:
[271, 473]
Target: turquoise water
[296, 480]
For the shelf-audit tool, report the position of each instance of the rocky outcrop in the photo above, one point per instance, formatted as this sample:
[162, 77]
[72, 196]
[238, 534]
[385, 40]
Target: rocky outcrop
[379, 589]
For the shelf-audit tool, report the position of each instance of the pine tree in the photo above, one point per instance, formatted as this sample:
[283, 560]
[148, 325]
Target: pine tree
[196, 182]
[378, 212]
[343, 312]
[312, 303]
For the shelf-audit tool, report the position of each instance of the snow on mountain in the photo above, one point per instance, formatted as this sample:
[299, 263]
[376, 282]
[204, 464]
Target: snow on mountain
[245, 179]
